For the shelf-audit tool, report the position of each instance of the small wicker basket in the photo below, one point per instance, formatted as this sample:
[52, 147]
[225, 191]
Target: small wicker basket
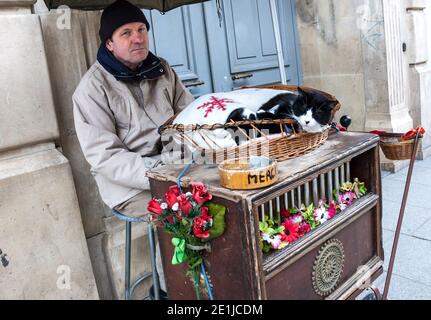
[281, 146]
[395, 148]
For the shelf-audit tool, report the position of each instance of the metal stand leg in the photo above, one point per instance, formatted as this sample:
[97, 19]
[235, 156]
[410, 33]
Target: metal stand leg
[400, 219]
[156, 284]
[127, 262]
[130, 288]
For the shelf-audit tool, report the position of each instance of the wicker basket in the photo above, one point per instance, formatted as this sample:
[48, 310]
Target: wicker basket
[395, 148]
[279, 146]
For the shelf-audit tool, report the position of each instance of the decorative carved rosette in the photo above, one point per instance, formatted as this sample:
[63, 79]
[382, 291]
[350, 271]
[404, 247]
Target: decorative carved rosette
[328, 267]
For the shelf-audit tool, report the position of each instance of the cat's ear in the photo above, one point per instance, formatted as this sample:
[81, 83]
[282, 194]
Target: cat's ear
[303, 94]
[329, 105]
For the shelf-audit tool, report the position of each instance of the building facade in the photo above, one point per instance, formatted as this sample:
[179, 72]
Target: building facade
[372, 55]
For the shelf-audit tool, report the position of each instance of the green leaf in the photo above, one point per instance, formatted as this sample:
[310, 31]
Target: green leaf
[263, 226]
[293, 210]
[217, 211]
[278, 230]
[266, 247]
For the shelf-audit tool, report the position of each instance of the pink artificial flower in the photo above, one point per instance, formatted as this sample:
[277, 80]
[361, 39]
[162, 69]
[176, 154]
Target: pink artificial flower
[332, 211]
[346, 198]
[304, 229]
[274, 241]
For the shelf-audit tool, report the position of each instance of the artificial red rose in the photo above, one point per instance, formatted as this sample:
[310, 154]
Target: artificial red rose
[156, 221]
[198, 228]
[202, 223]
[170, 219]
[284, 213]
[175, 190]
[185, 205]
[171, 198]
[200, 193]
[204, 212]
[154, 207]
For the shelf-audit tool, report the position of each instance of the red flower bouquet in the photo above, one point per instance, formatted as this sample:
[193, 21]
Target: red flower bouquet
[193, 221]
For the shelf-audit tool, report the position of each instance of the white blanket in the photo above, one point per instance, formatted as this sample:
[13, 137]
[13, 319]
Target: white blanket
[215, 108]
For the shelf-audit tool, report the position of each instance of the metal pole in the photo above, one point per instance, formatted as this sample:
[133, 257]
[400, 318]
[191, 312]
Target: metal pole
[400, 218]
[278, 41]
[156, 284]
[128, 258]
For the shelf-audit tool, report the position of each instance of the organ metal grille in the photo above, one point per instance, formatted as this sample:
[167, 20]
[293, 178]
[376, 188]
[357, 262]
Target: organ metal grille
[322, 187]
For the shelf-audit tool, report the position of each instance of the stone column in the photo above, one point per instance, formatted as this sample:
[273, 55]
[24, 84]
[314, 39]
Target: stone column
[387, 103]
[41, 229]
[353, 50]
[419, 72]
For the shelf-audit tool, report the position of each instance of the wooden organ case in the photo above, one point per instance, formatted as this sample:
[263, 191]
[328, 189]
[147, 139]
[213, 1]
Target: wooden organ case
[337, 260]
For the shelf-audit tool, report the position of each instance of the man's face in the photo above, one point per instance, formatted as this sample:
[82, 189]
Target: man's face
[129, 44]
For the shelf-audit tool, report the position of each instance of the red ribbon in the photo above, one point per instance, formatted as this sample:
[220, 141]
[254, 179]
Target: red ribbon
[406, 136]
[413, 133]
[378, 132]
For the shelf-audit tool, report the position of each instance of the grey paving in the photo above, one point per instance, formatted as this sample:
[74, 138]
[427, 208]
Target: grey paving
[411, 278]
[402, 288]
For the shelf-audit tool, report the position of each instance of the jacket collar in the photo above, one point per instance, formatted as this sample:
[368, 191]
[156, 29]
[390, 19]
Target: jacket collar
[150, 69]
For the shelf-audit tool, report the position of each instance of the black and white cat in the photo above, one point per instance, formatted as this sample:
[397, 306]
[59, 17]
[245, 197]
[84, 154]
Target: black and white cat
[312, 112]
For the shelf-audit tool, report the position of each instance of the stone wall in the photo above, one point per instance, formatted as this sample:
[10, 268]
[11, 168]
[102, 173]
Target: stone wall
[418, 31]
[331, 52]
[71, 41]
[372, 55]
[41, 229]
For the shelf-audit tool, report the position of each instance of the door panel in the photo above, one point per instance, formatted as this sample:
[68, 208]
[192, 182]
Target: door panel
[241, 52]
[179, 37]
[250, 35]
[247, 41]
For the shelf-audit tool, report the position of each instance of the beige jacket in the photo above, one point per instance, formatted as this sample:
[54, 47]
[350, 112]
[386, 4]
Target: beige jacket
[118, 134]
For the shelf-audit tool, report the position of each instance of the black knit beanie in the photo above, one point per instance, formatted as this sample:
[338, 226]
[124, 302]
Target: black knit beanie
[117, 14]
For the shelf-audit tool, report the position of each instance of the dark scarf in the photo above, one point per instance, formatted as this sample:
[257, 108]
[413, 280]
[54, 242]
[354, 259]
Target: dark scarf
[151, 67]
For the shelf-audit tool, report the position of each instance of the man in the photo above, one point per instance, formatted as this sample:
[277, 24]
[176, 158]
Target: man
[119, 105]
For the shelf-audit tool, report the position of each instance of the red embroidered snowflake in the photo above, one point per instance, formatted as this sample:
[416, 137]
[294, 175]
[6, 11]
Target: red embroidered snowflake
[214, 103]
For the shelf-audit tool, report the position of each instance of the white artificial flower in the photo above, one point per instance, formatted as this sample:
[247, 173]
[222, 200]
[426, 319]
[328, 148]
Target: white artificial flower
[297, 219]
[321, 215]
[176, 206]
[164, 206]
